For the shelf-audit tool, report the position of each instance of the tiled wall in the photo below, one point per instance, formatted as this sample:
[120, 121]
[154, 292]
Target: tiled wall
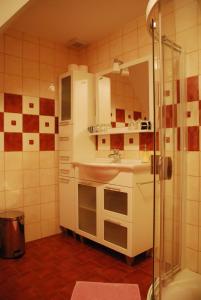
[29, 67]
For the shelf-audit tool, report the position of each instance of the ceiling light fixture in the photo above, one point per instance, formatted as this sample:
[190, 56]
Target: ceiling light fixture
[116, 66]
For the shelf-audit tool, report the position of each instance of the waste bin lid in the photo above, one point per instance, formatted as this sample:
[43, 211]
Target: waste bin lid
[11, 214]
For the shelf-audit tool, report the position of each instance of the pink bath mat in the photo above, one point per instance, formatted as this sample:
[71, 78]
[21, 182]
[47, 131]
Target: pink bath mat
[84, 290]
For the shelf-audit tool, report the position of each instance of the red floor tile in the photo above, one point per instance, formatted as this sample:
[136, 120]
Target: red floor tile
[51, 266]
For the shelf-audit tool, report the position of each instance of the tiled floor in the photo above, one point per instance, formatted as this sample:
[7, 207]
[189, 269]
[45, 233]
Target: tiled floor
[51, 266]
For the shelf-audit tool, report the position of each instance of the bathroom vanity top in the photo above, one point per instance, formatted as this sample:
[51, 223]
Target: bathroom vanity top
[109, 164]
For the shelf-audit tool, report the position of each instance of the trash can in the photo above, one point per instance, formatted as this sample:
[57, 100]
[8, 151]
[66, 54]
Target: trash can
[12, 243]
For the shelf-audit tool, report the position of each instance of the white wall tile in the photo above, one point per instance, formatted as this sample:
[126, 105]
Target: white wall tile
[30, 160]
[47, 124]
[12, 122]
[30, 141]
[30, 105]
[32, 214]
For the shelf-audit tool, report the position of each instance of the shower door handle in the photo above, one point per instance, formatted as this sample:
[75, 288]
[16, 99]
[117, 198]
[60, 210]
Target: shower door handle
[163, 167]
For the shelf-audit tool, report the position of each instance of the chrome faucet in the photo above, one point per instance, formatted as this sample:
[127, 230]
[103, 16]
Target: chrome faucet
[116, 156]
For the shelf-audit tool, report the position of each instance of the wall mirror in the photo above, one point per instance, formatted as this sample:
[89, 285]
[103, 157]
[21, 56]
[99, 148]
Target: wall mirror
[126, 95]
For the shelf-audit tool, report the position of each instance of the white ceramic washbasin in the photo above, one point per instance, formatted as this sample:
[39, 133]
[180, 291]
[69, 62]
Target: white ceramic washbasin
[106, 168]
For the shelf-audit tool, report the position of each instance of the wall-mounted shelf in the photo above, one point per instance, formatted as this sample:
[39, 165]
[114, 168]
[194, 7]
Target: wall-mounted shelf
[120, 130]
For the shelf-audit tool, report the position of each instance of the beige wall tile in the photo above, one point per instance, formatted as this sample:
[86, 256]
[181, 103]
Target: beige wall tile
[47, 176]
[31, 142]
[32, 214]
[192, 259]
[14, 199]
[186, 16]
[33, 231]
[13, 180]
[2, 181]
[47, 55]
[1, 160]
[30, 160]
[34, 108]
[31, 196]
[193, 188]
[192, 237]
[30, 69]
[1, 62]
[193, 163]
[49, 211]
[12, 84]
[1, 141]
[49, 227]
[13, 65]
[13, 46]
[2, 201]
[192, 64]
[48, 193]
[2, 83]
[47, 159]
[30, 87]
[31, 51]
[13, 161]
[46, 72]
[31, 178]
[192, 212]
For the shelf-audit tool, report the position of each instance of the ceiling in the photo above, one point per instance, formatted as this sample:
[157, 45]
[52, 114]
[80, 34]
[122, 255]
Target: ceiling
[87, 20]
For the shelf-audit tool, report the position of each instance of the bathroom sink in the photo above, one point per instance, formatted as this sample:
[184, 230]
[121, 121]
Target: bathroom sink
[106, 168]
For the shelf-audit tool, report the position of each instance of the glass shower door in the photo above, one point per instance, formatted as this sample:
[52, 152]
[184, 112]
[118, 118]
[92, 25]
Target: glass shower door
[168, 159]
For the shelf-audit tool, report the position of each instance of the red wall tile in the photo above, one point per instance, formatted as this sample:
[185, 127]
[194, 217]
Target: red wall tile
[192, 88]
[47, 107]
[47, 142]
[146, 141]
[30, 123]
[193, 138]
[12, 141]
[113, 124]
[178, 91]
[178, 139]
[56, 125]
[120, 115]
[169, 116]
[13, 103]
[137, 115]
[96, 141]
[200, 113]
[117, 141]
[1, 121]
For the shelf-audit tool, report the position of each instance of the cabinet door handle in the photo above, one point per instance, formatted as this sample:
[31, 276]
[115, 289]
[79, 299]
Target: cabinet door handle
[113, 222]
[112, 189]
[64, 158]
[64, 138]
[63, 180]
[62, 171]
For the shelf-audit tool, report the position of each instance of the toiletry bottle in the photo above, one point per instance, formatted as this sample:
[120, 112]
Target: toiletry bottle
[145, 155]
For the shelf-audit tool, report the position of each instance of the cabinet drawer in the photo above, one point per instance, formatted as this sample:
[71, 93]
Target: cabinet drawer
[116, 235]
[66, 170]
[65, 157]
[67, 203]
[117, 202]
[65, 143]
[65, 130]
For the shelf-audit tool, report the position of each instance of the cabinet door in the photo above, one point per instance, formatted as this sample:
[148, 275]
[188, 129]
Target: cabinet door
[65, 99]
[117, 202]
[87, 209]
[116, 235]
[67, 203]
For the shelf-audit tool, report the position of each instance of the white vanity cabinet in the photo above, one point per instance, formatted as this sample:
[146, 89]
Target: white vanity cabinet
[77, 111]
[123, 209]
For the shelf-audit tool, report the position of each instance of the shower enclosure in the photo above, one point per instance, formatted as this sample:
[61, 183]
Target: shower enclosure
[176, 111]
